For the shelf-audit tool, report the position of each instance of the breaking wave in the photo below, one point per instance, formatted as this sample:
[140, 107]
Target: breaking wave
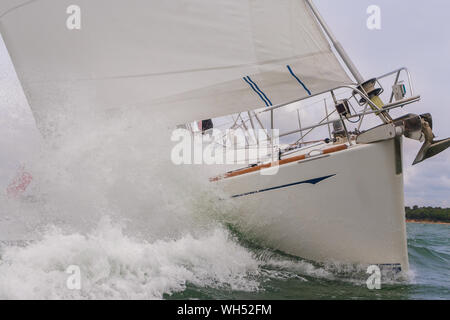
[115, 266]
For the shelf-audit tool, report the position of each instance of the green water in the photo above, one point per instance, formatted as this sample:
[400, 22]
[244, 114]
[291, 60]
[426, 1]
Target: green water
[285, 277]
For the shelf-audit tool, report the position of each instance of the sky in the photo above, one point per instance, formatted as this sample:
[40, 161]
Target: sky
[413, 34]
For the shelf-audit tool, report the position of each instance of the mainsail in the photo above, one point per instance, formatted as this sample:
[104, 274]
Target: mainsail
[186, 59]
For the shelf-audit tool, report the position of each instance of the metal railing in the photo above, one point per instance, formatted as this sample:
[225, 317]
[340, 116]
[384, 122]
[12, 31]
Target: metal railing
[352, 90]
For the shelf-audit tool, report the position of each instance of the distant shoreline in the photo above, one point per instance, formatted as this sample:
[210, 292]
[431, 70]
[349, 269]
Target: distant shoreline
[426, 222]
[428, 215]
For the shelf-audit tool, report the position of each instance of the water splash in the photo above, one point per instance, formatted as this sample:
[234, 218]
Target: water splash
[116, 266]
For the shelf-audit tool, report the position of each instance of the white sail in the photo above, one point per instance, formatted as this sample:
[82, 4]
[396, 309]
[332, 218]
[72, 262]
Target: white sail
[192, 59]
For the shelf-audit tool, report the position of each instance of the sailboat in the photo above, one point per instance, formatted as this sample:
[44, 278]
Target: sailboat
[338, 199]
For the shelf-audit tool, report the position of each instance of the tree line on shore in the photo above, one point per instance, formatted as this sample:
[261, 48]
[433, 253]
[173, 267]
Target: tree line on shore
[428, 214]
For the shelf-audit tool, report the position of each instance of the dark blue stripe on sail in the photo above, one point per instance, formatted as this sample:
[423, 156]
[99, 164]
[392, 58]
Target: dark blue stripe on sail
[257, 88]
[298, 79]
[311, 181]
[254, 89]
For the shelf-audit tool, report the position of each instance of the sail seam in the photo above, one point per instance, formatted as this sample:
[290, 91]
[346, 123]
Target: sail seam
[16, 7]
[177, 72]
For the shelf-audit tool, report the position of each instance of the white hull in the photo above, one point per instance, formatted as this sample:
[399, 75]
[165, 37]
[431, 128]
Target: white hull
[354, 216]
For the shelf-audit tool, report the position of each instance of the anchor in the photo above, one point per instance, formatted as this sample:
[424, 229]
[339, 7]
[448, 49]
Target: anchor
[417, 127]
[421, 128]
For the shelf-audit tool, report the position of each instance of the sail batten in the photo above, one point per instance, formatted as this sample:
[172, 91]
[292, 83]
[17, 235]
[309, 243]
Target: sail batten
[187, 58]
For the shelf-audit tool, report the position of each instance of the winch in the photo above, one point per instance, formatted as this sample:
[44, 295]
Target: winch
[412, 126]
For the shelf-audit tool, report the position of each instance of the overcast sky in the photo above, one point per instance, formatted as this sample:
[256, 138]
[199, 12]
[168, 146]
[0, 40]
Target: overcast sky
[413, 34]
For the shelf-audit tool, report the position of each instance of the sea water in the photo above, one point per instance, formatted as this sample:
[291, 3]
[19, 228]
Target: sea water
[215, 265]
[105, 201]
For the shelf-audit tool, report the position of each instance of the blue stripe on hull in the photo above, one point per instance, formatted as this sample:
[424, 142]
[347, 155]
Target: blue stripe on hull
[311, 181]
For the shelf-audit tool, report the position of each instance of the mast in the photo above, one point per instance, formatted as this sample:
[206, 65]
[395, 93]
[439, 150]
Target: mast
[339, 48]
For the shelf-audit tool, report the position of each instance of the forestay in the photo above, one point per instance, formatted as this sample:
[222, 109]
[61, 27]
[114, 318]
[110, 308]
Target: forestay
[193, 59]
